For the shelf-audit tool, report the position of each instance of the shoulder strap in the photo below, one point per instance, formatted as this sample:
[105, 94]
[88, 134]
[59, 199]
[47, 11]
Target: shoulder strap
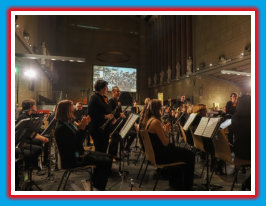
[149, 124]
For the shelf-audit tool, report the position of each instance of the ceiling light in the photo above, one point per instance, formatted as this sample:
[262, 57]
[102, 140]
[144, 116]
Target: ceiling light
[235, 73]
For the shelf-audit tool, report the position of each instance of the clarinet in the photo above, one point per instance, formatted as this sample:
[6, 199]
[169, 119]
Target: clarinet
[109, 120]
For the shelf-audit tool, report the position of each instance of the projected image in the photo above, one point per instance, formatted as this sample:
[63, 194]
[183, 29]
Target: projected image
[124, 78]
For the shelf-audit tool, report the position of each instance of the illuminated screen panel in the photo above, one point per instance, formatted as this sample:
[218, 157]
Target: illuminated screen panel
[123, 77]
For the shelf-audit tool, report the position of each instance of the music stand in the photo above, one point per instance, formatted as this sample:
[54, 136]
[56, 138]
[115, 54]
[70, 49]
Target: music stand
[123, 132]
[207, 129]
[27, 129]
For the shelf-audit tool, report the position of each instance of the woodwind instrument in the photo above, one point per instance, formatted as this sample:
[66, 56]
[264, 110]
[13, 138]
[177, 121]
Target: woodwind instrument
[103, 126]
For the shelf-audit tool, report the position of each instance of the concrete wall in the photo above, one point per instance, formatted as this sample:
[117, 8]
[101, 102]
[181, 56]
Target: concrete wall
[212, 36]
[115, 33]
[200, 89]
[30, 88]
[220, 35]
[40, 30]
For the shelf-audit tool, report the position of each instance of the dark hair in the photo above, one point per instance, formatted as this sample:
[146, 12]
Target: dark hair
[28, 104]
[233, 94]
[154, 109]
[64, 111]
[100, 84]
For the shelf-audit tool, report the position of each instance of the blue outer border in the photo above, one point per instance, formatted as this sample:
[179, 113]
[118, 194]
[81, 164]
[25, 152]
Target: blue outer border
[4, 5]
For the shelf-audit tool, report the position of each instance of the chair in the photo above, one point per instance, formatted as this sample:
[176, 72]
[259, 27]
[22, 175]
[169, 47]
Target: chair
[68, 172]
[183, 133]
[223, 152]
[150, 156]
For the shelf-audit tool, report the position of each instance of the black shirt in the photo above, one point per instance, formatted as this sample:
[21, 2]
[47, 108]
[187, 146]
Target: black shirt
[113, 103]
[97, 109]
[22, 115]
[230, 108]
[69, 142]
[79, 114]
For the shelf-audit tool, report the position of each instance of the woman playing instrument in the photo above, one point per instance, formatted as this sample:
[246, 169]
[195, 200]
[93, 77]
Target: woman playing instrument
[164, 153]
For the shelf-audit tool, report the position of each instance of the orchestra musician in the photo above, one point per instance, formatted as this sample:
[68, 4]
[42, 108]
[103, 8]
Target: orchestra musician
[69, 140]
[33, 148]
[135, 109]
[99, 112]
[164, 153]
[79, 111]
[114, 103]
[230, 109]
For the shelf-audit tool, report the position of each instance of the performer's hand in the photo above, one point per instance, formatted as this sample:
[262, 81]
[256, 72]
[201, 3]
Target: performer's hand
[114, 121]
[84, 122]
[167, 128]
[42, 138]
[122, 115]
[109, 116]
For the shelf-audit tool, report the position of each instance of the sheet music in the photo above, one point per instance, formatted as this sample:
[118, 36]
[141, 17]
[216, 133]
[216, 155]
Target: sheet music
[202, 125]
[189, 121]
[226, 123]
[129, 123]
[212, 124]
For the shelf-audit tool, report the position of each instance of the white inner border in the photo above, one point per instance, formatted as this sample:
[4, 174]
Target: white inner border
[13, 13]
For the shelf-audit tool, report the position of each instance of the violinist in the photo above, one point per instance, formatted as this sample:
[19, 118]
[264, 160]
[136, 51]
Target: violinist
[99, 112]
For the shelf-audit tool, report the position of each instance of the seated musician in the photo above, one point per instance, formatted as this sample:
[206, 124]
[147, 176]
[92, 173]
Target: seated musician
[166, 116]
[113, 103]
[79, 111]
[140, 124]
[70, 144]
[100, 112]
[164, 153]
[183, 115]
[135, 109]
[168, 102]
[32, 147]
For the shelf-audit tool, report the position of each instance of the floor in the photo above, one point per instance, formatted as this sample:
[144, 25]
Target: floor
[128, 180]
